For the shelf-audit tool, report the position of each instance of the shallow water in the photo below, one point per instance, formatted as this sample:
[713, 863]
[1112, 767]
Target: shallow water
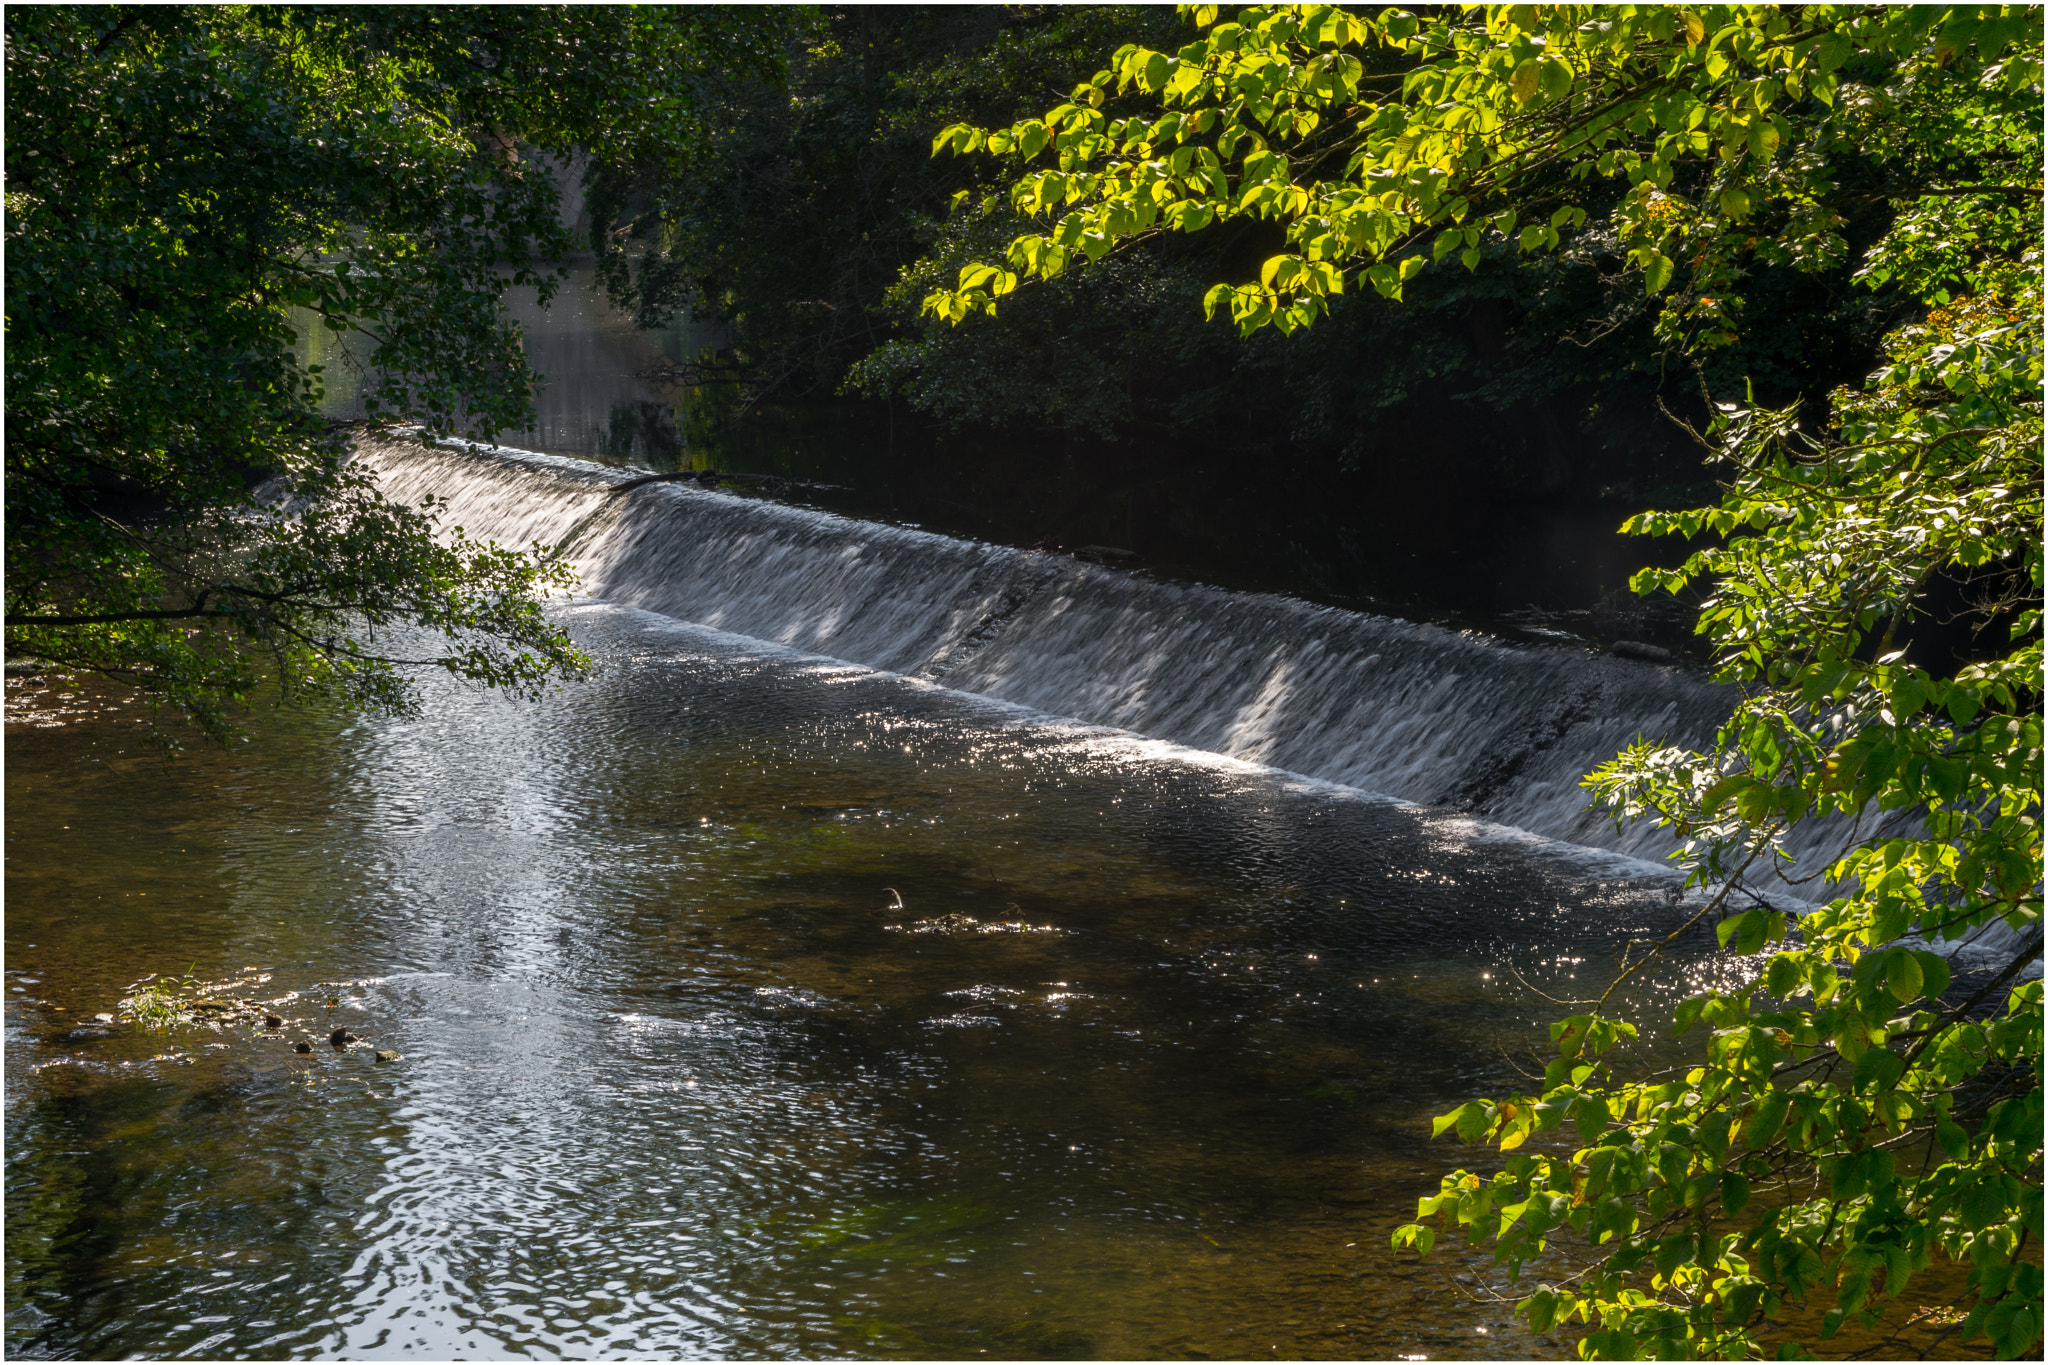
[1142, 1067]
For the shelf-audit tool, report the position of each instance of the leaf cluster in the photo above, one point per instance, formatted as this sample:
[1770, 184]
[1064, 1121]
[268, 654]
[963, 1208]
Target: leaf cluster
[179, 180]
[1382, 143]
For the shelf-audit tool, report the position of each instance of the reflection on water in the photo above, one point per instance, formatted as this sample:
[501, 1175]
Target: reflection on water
[1141, 1066]
[603, 393]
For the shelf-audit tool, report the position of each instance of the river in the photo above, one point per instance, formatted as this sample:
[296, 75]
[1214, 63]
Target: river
[1141, 1066]
[902, 947]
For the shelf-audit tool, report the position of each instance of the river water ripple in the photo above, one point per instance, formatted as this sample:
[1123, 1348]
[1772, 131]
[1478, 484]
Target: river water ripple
[753, 1005]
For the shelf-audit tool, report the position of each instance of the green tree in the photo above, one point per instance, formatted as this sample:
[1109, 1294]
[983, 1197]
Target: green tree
[815, 192]
[177, 180]
[1869, 1100]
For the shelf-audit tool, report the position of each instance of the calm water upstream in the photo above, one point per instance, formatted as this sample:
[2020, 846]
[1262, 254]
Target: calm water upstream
[1141, 1066]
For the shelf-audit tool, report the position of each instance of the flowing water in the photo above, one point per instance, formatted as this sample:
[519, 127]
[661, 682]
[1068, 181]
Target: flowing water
[901, 948]
[752, 1005]
[1415, 711]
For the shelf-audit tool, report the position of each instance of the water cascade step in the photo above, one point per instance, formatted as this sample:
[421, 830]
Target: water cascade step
[1441, 717]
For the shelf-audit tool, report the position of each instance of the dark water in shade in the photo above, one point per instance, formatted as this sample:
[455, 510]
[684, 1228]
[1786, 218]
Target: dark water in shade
[610, 392]
[1142, 1069]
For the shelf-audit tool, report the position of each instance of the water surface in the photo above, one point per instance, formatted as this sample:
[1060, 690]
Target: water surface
[1141, 1067]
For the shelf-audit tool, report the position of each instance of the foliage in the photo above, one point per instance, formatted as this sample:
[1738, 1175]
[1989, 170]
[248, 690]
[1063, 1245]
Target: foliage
[178, 179]
[816, 221]
[1376, 170]
[813, 194]
[1871, 1099]
[157, 1004]
[1066, 358]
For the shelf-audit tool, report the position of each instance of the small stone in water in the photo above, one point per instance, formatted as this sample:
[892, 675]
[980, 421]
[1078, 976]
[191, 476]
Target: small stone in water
[272, 1021]
[302, 1047]
[389, 1056]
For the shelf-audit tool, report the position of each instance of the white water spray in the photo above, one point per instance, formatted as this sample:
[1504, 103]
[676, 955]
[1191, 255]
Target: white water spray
[1439, 717]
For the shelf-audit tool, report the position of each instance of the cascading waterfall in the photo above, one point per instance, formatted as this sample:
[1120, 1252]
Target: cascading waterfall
[1430, 715]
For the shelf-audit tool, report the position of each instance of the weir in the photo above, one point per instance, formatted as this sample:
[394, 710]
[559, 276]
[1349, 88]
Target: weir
[1454, 719]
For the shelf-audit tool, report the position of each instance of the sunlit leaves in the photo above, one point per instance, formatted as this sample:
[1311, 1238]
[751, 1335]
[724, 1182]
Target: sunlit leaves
[1825, 546]
[1484, 101]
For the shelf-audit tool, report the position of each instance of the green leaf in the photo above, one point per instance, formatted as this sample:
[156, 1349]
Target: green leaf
[1525, 80]
[1963, 705]
[1908, 694]
[1879, 1068]
[1591, 1116]
[1983, 1204]
[1749, 929]
[1657, 273]
[1734, 1192]
[1934, 972]
[1473, 1121]
[1418, 1237]
[1832, 49]
[1763, 1126]
[1903, 977]
[1720, 791]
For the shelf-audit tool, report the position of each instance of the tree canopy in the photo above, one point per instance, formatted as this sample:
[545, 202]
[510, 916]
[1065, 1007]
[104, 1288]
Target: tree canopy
[178, 179]
[1869, 1099]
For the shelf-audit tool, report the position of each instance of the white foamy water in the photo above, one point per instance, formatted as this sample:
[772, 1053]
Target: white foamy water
[1455, 718]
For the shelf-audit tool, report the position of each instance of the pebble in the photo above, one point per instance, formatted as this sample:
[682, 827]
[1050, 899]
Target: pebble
[388, 1056]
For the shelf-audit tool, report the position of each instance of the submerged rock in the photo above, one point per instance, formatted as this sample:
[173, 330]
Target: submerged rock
[1636, 649]
[388, 1056]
